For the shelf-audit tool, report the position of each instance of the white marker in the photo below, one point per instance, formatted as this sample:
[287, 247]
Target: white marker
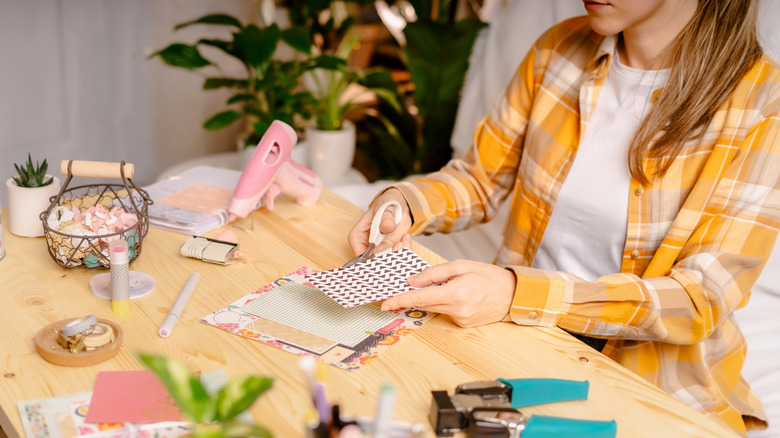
[179, 304]
[384, 412]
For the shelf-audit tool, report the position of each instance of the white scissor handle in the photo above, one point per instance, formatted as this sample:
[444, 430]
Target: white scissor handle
[375, 236]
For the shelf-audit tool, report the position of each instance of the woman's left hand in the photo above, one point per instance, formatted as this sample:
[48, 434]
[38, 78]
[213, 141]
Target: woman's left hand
[471, 293]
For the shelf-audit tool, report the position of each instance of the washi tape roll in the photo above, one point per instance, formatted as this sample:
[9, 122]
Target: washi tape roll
[79, 326]
[101, 335]
[209, 250]
[47, 345]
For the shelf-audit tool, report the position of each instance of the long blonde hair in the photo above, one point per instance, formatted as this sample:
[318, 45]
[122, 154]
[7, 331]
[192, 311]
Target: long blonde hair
[709, 58]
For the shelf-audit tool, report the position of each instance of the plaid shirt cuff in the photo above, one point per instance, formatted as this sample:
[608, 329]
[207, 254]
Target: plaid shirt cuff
[538, 297]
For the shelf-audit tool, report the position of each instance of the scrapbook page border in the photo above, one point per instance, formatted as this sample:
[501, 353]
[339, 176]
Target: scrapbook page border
[233, 320]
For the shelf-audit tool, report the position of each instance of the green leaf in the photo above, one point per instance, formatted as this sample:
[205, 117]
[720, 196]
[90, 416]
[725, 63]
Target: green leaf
[379, 77]
[214, 83]
[388, 96]
[347, 45]
[382, 84]
[226, 46]
[258, 45]
[328, 62]
[261, 126]
[221, 19]
[184, 387]
[390, 153]
[242, 97]
[348, 22]
[239, 394]
[298, 38]
[31, 169]
[41, 171]
[221, 120]
[23, 177]
[182, 55]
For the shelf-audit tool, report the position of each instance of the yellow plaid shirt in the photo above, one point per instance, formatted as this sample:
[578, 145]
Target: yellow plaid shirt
[696, 239]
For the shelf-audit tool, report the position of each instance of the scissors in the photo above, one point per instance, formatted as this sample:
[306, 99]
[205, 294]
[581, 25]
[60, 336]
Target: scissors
[375, 237]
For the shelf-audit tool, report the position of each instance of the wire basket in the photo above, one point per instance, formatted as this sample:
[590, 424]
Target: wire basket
[73, 229]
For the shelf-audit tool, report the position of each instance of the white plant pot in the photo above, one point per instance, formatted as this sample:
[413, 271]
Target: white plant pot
[25, 205]
[330, 153]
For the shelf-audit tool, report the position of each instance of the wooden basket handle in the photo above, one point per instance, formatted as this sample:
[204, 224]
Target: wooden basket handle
[96, 169]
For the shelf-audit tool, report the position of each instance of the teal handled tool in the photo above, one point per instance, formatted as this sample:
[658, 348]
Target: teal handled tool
[489, 409]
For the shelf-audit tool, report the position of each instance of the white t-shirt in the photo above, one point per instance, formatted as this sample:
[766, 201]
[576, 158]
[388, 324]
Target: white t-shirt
[587, 230]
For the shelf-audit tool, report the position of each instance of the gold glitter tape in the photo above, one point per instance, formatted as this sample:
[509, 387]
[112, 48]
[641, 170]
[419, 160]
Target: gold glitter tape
[101, 335]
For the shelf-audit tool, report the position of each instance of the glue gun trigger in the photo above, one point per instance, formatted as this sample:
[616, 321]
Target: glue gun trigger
[273, 191]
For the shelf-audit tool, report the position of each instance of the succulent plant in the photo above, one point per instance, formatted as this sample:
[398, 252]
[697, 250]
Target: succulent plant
[32, 175]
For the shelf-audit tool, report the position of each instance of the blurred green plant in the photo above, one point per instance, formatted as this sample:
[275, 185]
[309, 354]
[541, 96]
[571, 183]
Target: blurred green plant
[436, 53]
[270, 88]
[211, 416]
[399, 139]
[327, 21]
[330, 80]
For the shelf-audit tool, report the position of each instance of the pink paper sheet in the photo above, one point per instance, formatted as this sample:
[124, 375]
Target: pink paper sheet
[131, 397]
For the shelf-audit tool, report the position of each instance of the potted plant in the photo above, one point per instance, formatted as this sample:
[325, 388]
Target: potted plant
[29, 194]
[267, 90]
[216, 415]
[337, 89]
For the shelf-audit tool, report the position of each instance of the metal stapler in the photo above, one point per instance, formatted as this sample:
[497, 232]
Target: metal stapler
[489, 409]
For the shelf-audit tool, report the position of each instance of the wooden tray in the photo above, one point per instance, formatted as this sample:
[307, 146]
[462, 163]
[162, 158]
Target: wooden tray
[51, 351]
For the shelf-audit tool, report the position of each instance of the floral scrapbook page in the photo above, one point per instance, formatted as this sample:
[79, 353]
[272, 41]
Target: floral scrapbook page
[292, 315]
[66, 417]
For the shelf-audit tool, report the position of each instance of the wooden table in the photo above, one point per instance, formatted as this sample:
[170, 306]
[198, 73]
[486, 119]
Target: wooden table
[439, 355]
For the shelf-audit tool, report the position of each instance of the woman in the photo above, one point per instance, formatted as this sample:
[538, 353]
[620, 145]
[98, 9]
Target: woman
[640, 147]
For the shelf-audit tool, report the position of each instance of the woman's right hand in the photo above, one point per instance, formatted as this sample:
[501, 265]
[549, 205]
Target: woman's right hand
[359, 234]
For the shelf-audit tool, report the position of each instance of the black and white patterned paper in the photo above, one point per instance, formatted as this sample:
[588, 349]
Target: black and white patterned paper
[377, 279]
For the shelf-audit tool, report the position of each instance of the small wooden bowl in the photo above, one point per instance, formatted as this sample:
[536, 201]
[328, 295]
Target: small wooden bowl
[49, 349]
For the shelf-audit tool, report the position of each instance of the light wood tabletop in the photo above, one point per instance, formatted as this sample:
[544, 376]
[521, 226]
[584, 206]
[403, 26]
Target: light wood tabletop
[437, 356]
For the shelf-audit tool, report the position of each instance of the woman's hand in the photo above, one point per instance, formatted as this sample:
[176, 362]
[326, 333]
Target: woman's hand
[471, 293]
[359, 234]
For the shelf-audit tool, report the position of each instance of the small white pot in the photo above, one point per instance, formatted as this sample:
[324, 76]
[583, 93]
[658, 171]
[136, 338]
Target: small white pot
[25, 205]
[330, 153]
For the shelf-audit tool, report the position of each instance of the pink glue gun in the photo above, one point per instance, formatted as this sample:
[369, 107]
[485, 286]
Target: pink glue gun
[272, 171]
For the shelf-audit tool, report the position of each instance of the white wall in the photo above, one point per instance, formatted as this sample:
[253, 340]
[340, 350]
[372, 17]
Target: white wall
[75, 84]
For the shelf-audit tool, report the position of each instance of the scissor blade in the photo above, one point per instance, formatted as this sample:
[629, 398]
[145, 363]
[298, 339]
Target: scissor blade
[361, 258]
